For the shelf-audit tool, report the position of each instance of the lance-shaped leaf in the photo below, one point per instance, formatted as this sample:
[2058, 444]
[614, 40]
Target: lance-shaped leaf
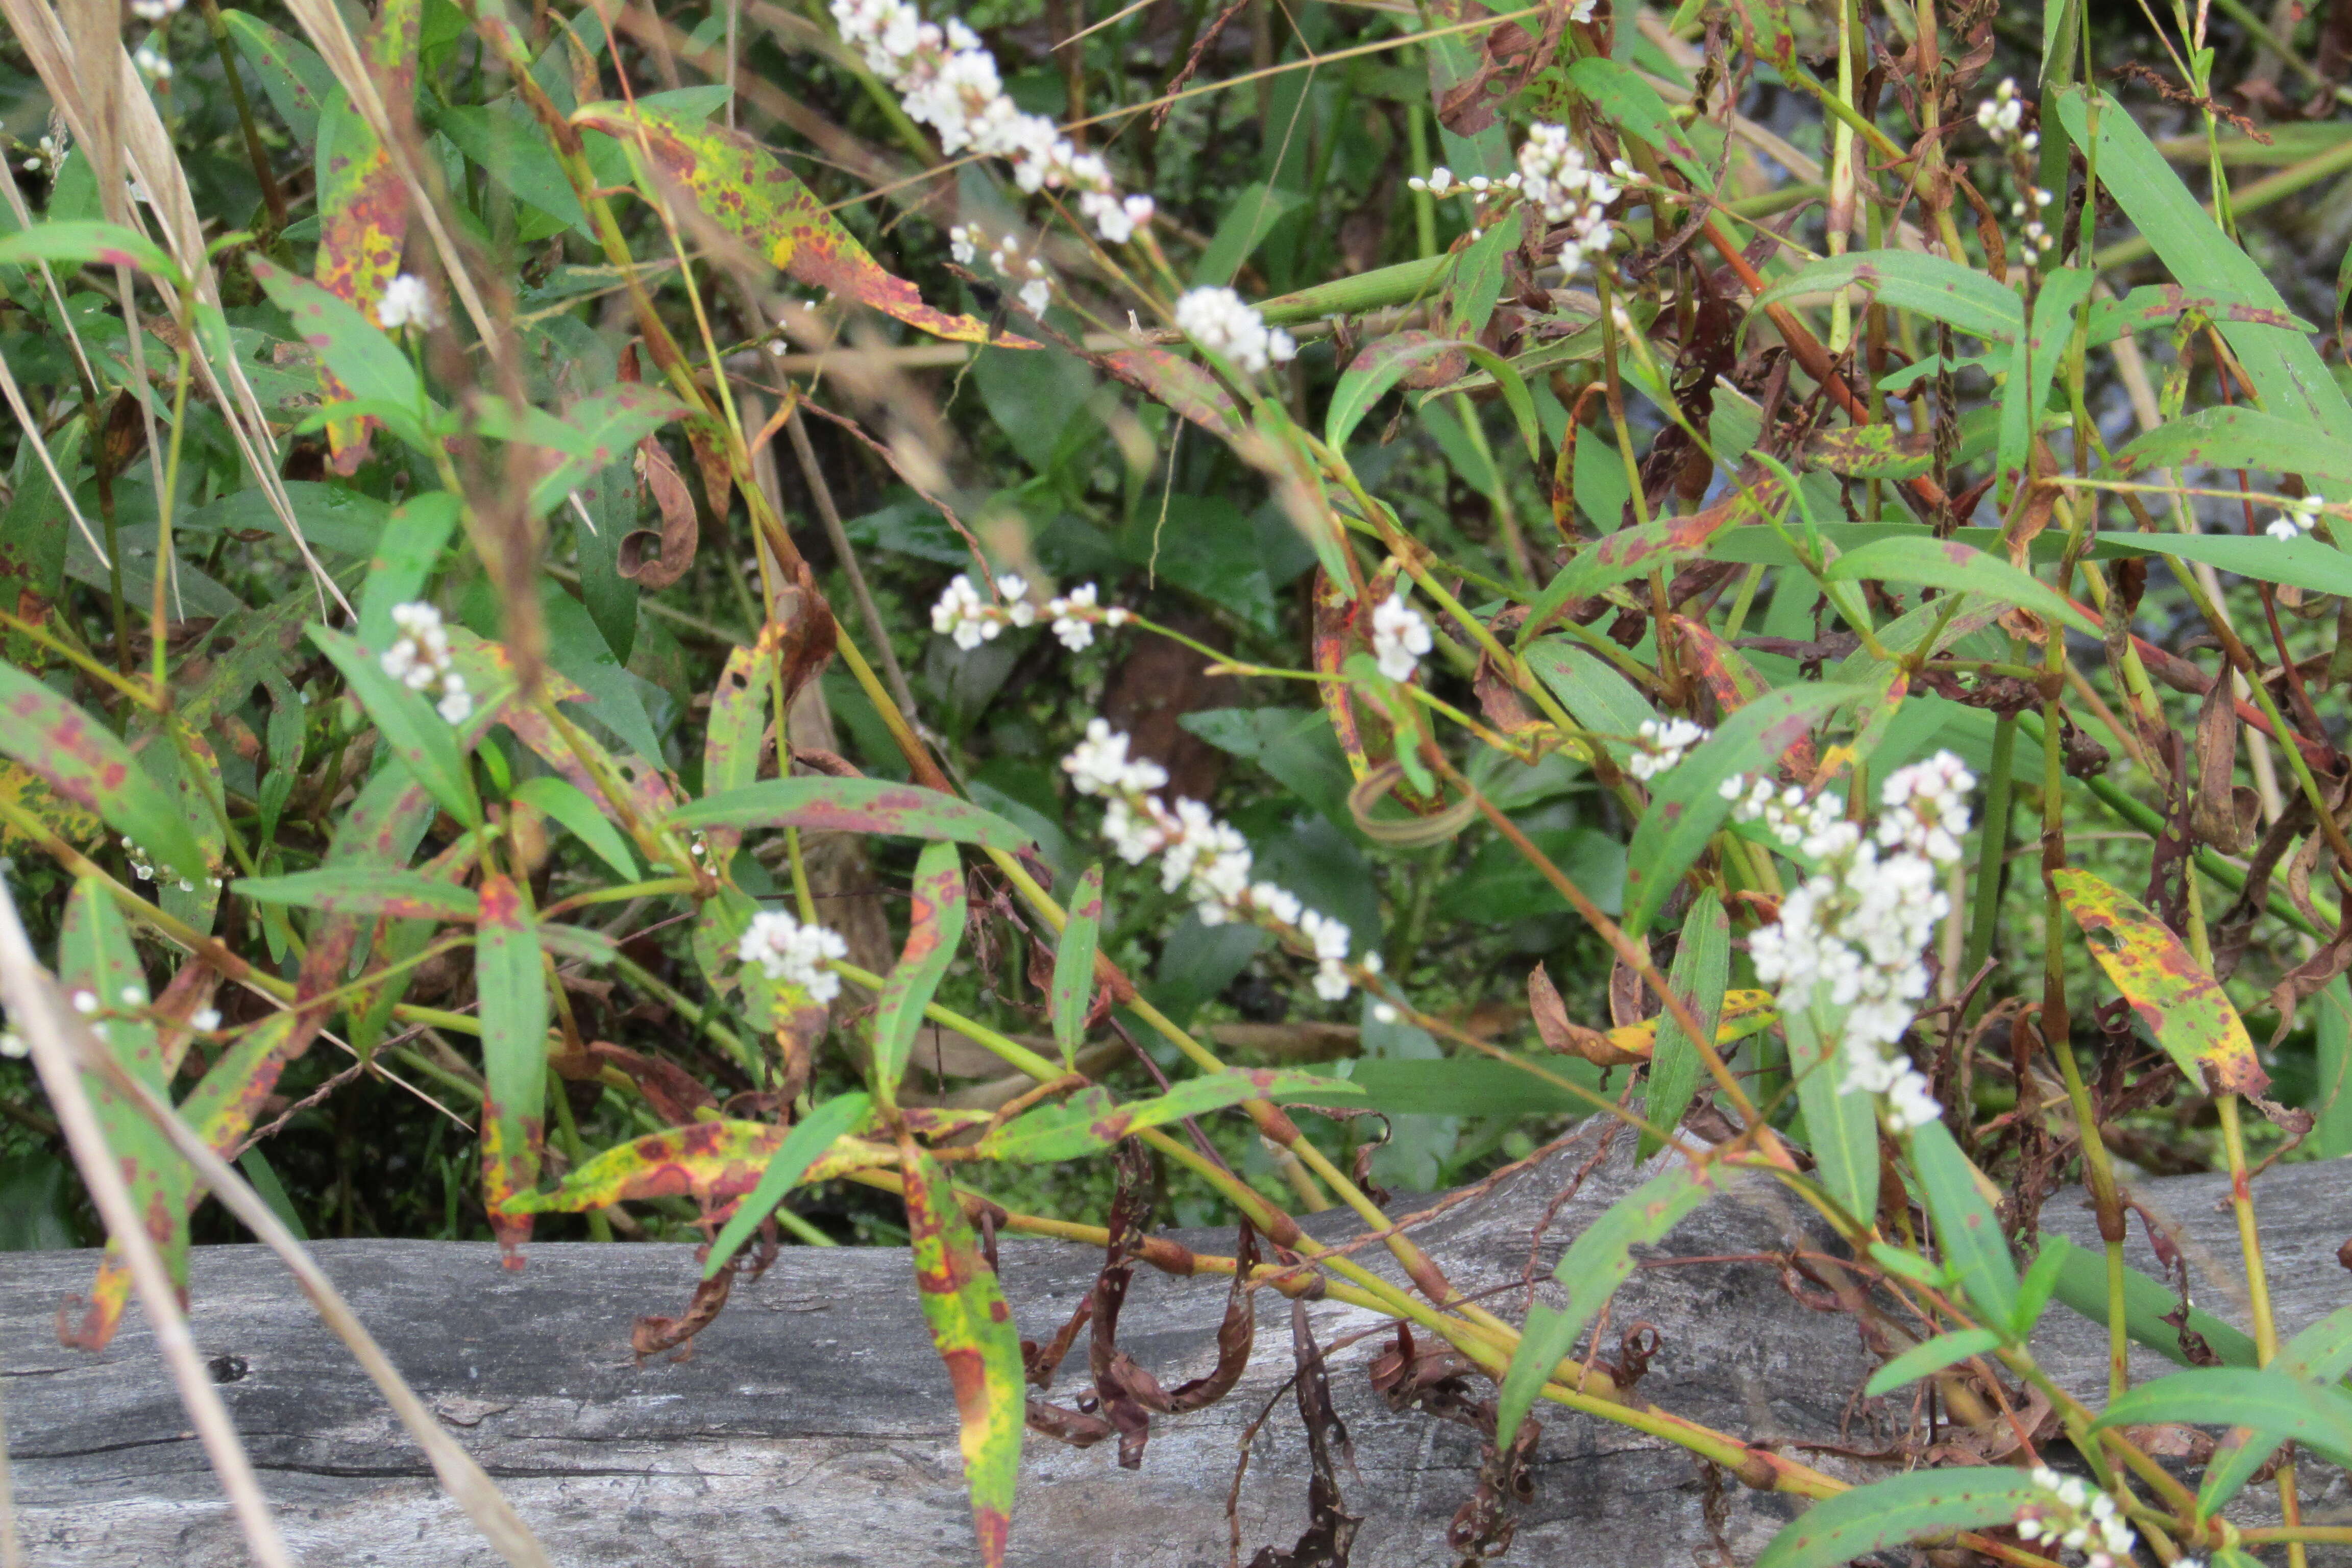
[1074, 965]
[1886, 1513]
[352, 890]
[101, 974]
[1687, 806]
[407, 553]
[297, 80]
[1942, 564]
[933, 929]
[2320, 1356]
[972, 1330]
[1630, 552]
[1595, 1264]
[1701, 971]
[2181, 1004]
[362, 200]
[2237, 437]
[747, 191]
[1965, 1228]
[511, 982]
[810, 1138]
[731, 741]
[1421, 359]
[1933, 1356]
[575, 811]
[424, 744]
[713, 1162]
[1841, 1128]
[2263, 1398]
[84, 763]
[86, 243]
[357, 360]
[852, 806]
[2033, 365]
[1908, 280]
[1090, 1121]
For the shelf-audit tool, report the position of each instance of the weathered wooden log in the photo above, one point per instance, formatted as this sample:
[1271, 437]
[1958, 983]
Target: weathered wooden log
[812, 1424]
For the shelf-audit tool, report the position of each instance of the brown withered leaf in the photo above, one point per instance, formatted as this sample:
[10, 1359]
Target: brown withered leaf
[2219, 813]
[1330, 1529]
[675, 544]
[1563, 1034]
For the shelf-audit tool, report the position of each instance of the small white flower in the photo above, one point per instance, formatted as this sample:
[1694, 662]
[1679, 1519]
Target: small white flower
[1035, 295]
[1384, 1013]
[420, 659]
[961, 246]
[155, 10]
[1075, 614]
[796, 954]
[134, 996]
[85, 1003]
[204, 1020]
[152, 63]
[13, 1045]
[1220, 321]
[1665, 745]
[406, 303]
[1400, 638]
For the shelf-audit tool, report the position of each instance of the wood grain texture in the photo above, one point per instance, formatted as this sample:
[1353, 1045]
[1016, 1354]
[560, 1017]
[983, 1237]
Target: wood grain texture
[812, 1426]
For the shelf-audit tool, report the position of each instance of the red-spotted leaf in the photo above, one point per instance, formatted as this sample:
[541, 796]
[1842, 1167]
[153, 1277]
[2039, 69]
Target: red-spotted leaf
[297, 80]
[356, 360]
[713, 1162]
[973, 1329]
[1901, 1508]
[511, 980]
[419, 737]
[731, 743]
[1595, 1264]
[349, 890]
[1944, 564]
[2265, 1399]
[933, 929]
[808, 1141]
[98, 244]
[87, 764]
[363, 202]
[852, 806]
[1074, 965]
[2181, 1006]
[1656, 546]
[1090, 1121]
[747, 192]
[102, 976]
[1180, 383]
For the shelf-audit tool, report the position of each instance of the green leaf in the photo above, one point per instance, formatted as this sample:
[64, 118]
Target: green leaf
[1090, 1121]
[1908, 280]
[1701, 971]
[424, 744]
[370, 366]
[98, 244]
[1594, 1266]
[1965, 1228]
[2297, 562]
[1655, 546]
[298, 82]
[85, 762]
[2034, 366]
[2331, 1098]
[972, 1330]
[1940, 563]
[1248, 219]
[932, 932]
[2286, 370]
[364, 890]
[2041, 1279]
[2237, 437]
[2265, 1399]
[1934, 1355]
[511, 978]
[2320, 1356]
[2179, 1003]
[1629, 103]
[1686, 805]
[1074, 965]
[810, 1136]
[2082, 1286]
[407, 552]
[1841, 1128]
[1918, 1506]
[563, 801]
[852, 806]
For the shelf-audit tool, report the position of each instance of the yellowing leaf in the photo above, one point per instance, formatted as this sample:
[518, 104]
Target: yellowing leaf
[2180, 1003]
[713, 1162]
[29, 792]
[747, 191]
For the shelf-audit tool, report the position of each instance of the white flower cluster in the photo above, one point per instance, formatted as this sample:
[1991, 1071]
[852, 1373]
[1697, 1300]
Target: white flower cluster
[420, 658]
[1224, 323]
[1853, 933]
[1664, 746]
[2080, 1519]
[143, 867]
[1400, 636]
[155, 10]
[1558, 178]
[948, 80]
[406, 302]
[797, 954]
[1036, 291]
[963, 614]
[13, 1045]
[2035, 240]
[152, 63]
[1203, 856]
[2002, 116]
[51, 155]
[1075, 616]
[2297, 519]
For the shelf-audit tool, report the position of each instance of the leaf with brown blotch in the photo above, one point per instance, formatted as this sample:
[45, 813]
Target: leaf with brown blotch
[674, 546]
[713, 1162]
[511, 979]
[1563, 1034]
[746, 191]
[2178, 1002]
[972, 1327]
[364, 203]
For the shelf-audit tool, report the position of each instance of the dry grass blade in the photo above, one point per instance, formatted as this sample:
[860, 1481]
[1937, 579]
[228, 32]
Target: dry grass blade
[12, 1550]
[32, 429]
[33, 999]
[58, 1041]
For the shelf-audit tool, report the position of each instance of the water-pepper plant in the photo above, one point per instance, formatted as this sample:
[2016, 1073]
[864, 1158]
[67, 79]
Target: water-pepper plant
[1805, 539]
